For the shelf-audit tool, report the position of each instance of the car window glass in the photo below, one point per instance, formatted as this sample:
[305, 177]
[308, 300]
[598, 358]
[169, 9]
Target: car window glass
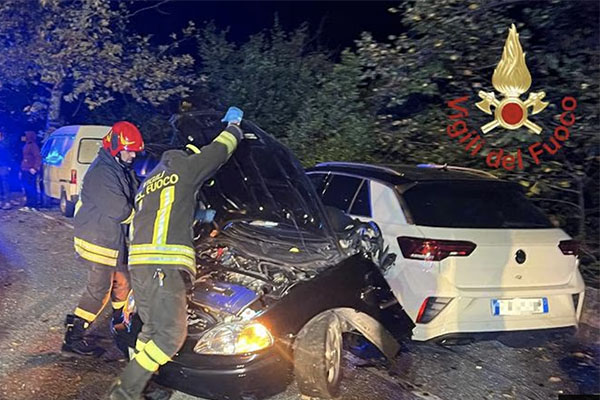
[473, 205]
[362, 204]
[57, 150]
[318, 182]
[340, 191]
[88, 149]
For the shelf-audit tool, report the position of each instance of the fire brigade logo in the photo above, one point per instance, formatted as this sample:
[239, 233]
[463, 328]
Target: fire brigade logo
[512, 79]
[124, 140]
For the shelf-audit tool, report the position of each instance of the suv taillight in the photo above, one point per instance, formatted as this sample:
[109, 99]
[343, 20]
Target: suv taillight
[74, 176]
[434, 249]
[569, 247]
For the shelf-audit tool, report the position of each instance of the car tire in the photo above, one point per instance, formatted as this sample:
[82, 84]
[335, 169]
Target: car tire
[67, 208]
[318, 356]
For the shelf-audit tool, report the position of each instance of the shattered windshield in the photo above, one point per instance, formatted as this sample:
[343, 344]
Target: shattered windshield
[263, 182]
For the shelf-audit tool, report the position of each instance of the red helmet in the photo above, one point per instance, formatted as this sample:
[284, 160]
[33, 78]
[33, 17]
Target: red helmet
[123, 136]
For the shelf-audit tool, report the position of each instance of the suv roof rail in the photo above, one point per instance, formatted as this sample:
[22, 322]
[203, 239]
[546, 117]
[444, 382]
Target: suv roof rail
[353, 164]
[455, 168]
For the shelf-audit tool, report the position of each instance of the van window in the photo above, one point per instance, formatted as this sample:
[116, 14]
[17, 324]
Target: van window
[56, 149]
[88, 149]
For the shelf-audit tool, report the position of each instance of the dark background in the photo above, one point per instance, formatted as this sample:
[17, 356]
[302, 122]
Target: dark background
[341, 21]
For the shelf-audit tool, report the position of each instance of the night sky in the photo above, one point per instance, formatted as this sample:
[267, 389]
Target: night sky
[343, 20]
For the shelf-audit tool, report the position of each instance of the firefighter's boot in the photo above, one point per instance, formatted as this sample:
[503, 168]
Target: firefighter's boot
[130, 385]
[116, 392]
[75, 342]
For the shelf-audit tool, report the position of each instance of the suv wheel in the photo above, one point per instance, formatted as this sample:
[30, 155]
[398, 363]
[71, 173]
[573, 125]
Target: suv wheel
[318, 356]
[67, 208]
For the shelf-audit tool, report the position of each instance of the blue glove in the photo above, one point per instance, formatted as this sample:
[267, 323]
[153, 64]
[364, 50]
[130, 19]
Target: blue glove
[233, 115]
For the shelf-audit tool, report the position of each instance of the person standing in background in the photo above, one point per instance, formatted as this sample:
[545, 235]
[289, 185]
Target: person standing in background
[30, 166]
[5, 163]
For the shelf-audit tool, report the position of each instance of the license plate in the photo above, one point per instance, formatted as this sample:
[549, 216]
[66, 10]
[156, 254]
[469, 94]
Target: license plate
[520, 306]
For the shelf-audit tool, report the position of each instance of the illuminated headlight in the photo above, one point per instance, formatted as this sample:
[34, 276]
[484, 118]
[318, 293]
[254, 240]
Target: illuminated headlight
[234, 338]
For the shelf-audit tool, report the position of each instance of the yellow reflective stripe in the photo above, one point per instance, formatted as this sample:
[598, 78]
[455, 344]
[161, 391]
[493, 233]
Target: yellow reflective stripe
[156, 353]
[104, 251]
[139, 345]
[228, 139]
[77, 206]
[146, 362]
[129, 219]
[170, 260]
[192, 148]
[165, 249]
[161, 223]
[95, 257]
[118, 304]
[81, 313]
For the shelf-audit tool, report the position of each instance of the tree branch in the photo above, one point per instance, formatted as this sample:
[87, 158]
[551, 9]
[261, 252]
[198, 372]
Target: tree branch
[563, 189]
[78, 106]
[149, 8]
[556, 201]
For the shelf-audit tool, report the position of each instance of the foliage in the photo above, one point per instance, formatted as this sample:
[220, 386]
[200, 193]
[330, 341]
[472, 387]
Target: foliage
[82, 50]
[289, 88]
[449, 49]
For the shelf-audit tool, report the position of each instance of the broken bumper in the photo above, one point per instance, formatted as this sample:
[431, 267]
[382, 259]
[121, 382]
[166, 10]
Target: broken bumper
[227, 377]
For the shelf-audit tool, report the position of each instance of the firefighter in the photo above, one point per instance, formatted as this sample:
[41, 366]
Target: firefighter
[102, 217]
[162, 256]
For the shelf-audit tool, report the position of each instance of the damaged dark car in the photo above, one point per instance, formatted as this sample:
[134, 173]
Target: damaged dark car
[280, 279]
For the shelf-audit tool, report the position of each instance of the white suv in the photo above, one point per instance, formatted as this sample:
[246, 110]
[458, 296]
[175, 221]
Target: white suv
[474, 255]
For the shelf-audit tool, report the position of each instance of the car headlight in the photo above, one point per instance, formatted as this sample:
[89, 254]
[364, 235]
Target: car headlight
[234, 338]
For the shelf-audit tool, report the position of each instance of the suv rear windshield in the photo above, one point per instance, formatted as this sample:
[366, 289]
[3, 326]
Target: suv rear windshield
[457, 204]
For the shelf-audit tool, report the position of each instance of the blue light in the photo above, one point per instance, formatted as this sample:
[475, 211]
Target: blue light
[427, 165]
[54, 158]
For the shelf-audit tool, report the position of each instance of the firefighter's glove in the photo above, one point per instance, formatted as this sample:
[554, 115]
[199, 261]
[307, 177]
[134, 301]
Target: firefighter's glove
[233, 116]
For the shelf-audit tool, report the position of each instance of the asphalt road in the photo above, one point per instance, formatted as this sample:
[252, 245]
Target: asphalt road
[40, 282]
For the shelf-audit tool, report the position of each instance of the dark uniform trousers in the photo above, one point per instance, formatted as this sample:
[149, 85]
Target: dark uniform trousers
[160, 298]
[162, 256]
[104, 282]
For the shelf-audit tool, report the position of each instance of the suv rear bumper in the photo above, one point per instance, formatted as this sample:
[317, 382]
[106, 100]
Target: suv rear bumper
[526, 338]
[474, 315]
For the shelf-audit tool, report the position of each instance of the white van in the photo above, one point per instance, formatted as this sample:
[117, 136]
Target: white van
[66, 156]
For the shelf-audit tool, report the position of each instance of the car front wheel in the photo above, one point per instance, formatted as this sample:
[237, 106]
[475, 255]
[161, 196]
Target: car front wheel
[318, 356]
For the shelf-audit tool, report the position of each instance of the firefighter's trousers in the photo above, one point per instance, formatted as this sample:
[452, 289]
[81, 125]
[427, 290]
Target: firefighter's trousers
[160, 298]
[104, 283]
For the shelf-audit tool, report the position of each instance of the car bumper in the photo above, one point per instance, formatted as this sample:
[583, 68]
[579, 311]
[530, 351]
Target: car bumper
[526, 338]
[474, 315]
[227, 377]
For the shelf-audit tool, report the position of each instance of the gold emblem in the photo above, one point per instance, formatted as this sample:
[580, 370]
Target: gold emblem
[512, 79]
[124, 141]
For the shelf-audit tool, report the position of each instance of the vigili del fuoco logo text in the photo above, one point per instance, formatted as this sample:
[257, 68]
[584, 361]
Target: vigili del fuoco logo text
[511, 78]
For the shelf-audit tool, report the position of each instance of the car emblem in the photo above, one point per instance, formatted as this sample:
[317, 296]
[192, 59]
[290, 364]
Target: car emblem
[520, 256]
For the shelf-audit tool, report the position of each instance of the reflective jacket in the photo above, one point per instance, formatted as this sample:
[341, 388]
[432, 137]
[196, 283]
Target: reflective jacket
[166, 202]
[104, 211]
